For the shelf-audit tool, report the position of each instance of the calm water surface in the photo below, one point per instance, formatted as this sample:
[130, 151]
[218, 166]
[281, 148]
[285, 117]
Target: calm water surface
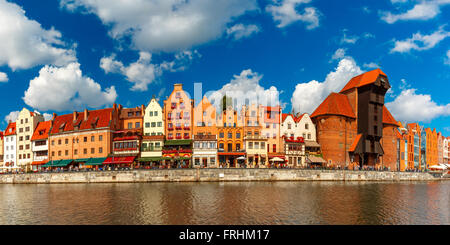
[247, 203]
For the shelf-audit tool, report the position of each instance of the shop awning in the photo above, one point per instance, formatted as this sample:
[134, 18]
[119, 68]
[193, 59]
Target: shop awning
[309, 143]
[64, 163]
[81, 160]
[95, 161]
[177, 142]
[52, 163]
[119, 160]
[39, 162]
[149, 159]
[314, 159]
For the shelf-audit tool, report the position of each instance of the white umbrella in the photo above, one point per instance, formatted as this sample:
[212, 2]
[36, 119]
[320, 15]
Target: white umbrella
[438, 167]
[277, 159]
[240, 158]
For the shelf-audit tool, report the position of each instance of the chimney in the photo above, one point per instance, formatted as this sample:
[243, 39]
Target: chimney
[86, 113]
[142, 109]
[178, 86]
[114, 106]
[74, 116]
[54, 116]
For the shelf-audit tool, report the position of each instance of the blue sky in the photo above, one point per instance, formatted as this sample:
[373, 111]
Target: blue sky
[66, 55]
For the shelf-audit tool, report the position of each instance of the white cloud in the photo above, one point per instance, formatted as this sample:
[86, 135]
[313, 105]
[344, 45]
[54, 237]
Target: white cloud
[12, 116]
[3, 77]
[339, 54]
[447, 59]
[24, 43]
[307, 96]
[245, 88]
[142, 72]
[424, 10]
[165, 25]
[371, 65]
[284, 13]
[239, 31]
[412, 107]
[349, 39]
[420, 42]
[65, 88]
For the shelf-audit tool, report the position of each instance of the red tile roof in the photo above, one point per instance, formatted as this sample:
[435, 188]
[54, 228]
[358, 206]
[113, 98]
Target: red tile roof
[363, 79]
[65, 122]
[355, 143]
[297, 119]
[388, 118]
[42, 130]
[335, 104]
[285, 115]
[11, 129]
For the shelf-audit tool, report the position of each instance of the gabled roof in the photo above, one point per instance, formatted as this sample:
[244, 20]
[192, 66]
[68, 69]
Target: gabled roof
[285, 115]
[11, 129]
[42, 130]
[363, 79]
[100, 118]
[298, 118]
[355, 143]
[335, 104]
[388, 118]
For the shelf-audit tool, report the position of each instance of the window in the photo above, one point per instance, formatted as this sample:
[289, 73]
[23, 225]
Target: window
[138, 113]
[309, 136]
[100, 138]
[66, 152]
[147, 125]
[27, 147]
[151, 113]
[75, 152]
[27, 137]
[156, 113]
[153, 124]
[66, 141]
[159, 124]
[263, 145]
[84, 151]
[238, 147]
[238, 135]
[59, 153]
[256, 145]
[250, 145]
[130, 114]
[221, 135]
[59, 142]
[138, 124]
[130, 125]
[230, 135]
[306, 126]
[21, 138]
[27, 129]
[92, 150]
[274, 148]
[21, 121]
[53, 153]
[289, 126]
[85, 139]
[221, 146]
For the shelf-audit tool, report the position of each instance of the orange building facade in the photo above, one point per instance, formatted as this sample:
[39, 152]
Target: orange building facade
[230, 137]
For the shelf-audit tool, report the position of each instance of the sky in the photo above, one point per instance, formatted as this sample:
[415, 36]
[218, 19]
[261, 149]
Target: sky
[61, 56]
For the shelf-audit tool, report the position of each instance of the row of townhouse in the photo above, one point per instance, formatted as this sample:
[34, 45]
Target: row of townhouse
[348, 129]
[419, 147]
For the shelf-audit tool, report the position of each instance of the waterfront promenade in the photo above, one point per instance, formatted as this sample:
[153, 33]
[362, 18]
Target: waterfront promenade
[212, 174]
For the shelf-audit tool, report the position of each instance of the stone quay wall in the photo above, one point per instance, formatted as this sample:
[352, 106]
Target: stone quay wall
[195, 175]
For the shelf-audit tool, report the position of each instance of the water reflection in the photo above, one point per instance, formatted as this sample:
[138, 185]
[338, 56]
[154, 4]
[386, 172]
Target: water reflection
[227, 203]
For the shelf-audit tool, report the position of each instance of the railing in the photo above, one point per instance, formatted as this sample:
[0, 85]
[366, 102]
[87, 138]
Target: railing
[151, 149]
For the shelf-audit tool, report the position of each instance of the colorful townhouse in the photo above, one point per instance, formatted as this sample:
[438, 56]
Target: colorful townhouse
[10, 148]
[354, 127]
[127, 140]
[178, 120]
[271, 128]
[402, 148]
[430, 141]
[255, 141]
[446, 150]
[83, 139]
[153, 138]
[440, 148]
[414, 146]
[26, 124]
[40, 145]
[204, 151]
[230, 140]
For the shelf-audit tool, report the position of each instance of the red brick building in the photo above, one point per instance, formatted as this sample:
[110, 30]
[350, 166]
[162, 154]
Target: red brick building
[354, 127]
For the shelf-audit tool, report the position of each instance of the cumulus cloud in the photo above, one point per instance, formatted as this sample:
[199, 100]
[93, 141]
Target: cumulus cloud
[65, 88]
[420, 42]
[143, 72]
[24, 43]
[3, 77]
[307, 96]
[245, 89]
[169, 25]
[411, 107]
[339, 54]
[240, 31]
[423, 10]
[371, 65]
[284, 12]
[12, 116]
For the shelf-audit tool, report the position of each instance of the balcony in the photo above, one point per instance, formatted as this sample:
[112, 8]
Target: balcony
[170, 129]
[170, 137]
[186, 137]
[178, 137]
[178, 128]
[255, 137]
[187, 128]
[146, 149]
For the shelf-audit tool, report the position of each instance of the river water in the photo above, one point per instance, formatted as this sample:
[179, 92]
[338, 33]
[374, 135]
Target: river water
[240, 203]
